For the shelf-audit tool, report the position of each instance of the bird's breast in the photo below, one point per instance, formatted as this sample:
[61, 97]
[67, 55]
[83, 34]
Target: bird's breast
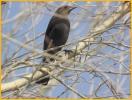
[58, 31]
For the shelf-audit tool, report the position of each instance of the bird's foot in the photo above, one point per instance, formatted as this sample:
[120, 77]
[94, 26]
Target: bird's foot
[68, 52]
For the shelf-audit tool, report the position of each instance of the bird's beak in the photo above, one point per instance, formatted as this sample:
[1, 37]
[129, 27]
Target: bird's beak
[71, 8]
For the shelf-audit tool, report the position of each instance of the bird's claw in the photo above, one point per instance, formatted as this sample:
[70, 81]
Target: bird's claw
[68, 51]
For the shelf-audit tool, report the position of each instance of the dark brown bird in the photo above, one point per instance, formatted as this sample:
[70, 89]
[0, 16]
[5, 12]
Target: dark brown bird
[58, 29]
[57, 32]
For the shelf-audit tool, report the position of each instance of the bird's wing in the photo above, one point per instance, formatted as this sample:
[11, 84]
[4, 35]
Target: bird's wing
[54, 35]
[59, 29]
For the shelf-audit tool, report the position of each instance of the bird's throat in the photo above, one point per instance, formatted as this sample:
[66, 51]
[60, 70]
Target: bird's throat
[62, 16]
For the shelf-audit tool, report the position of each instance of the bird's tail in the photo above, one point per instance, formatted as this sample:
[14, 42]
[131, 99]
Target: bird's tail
[45, 78]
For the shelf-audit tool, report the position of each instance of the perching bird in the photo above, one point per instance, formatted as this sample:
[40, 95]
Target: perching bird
[57, 32]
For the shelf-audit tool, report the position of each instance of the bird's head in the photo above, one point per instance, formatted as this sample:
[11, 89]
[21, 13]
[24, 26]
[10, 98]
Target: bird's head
[65, 10]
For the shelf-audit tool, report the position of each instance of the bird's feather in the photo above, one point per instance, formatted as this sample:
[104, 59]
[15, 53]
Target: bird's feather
[58, 33]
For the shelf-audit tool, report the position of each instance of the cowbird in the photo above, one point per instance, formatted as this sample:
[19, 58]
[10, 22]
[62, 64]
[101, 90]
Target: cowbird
[57, 33]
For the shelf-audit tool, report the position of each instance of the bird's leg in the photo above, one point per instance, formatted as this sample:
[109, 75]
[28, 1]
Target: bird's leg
[71, 53]
[68, 52]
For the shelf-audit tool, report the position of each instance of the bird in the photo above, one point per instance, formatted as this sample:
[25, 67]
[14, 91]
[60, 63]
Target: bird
[57, 33]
